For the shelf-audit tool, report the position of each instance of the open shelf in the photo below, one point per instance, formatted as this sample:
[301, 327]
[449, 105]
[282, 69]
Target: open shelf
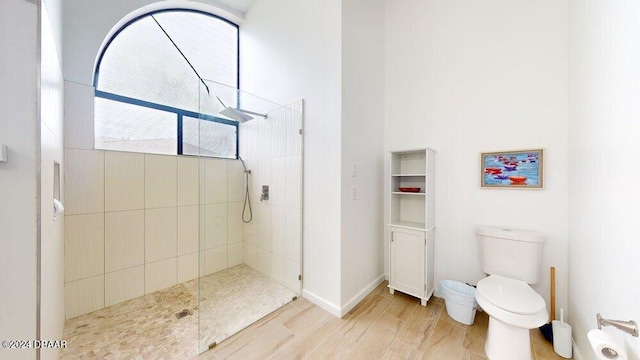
[409, 225]
[416, 175]
[412, 169]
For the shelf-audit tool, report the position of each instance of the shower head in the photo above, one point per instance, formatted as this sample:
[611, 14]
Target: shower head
[246, 171]
[237, 114]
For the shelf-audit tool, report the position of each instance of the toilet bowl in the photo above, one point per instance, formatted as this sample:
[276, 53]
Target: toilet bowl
[513, 308]
[512, 260]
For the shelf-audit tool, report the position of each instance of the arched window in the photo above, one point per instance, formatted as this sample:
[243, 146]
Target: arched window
[148, 80]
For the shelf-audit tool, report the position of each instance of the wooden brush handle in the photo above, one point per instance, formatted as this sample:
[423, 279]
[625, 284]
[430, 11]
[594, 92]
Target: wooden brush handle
[552, 316]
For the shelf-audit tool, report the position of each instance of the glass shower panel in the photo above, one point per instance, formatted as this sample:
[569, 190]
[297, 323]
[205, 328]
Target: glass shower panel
[249, 246]
[204, 137]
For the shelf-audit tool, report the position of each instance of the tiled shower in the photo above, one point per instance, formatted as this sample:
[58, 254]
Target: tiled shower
[272, 149]
[138, 223]
[132, 224]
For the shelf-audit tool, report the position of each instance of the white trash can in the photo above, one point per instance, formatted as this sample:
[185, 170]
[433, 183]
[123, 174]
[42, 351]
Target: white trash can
[460, 300]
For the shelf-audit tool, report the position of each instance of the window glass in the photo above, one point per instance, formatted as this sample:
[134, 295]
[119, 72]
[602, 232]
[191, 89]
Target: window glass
[144, 82]
[126, 127]
[208, 138]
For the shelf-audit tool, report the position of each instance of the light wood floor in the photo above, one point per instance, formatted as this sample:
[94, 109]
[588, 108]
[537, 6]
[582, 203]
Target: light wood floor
[382, 326]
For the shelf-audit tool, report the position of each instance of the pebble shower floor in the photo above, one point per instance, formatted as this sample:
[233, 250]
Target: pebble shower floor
[147, 327]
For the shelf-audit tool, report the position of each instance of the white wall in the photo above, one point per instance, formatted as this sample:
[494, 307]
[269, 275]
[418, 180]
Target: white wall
[291, 50]
[54, 11]
[604, 132]
[19, 130]
[464, 77]
[363, 146]
[51, 151]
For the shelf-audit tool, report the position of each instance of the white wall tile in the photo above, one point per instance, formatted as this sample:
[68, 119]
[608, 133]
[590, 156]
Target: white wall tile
[188, 182]
[293, 137]
[277, 190]
[215, 181]
[201, 259]
[293, 182]
[83, 296]
[280, 134]
[251, 228]
[266, 136]
[124, 240]
[264, 261]
[160, 275]
[243, 140]
[215, 260]
[187, 229]
[160, 234]
[124, 181]
[278, 268]
[78, 116]
[278, 230]
[215, 225]
[202, 224]
[249, 140]
[187, 267]
[84, 246]
[292, 272]
[262, 177]
[293, 234]
[251, 255]
[161, 181]
[84, 181]
[264, 226]
[299, 124]
[235, 254]
[235, 181]
[123, 285]
[254, 166]
[235, 225]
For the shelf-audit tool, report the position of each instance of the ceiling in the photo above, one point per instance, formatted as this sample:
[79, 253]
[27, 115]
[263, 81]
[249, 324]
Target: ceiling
[241, 6]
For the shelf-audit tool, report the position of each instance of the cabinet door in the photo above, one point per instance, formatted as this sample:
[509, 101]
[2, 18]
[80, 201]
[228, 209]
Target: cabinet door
[407, 261]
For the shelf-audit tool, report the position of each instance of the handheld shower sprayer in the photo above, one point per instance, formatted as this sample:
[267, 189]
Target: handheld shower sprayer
[247, 200]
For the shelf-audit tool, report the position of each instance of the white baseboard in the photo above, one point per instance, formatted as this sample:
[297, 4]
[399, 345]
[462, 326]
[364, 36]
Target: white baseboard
[326, 305]
[576, 352]
[361, 295]
[342, 311]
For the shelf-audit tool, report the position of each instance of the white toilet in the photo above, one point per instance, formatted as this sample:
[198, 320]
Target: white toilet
[512, 260]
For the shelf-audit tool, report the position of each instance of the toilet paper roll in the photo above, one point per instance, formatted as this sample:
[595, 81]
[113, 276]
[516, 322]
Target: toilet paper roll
[605, 347]
[58, 209]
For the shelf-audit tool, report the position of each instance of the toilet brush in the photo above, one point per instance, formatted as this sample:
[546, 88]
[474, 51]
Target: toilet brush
[547, 329]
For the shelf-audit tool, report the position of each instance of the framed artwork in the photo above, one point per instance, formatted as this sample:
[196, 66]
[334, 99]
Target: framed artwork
[521, 169]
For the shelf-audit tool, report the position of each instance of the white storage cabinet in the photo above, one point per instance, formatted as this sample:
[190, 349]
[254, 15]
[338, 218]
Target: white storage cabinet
[411, 223]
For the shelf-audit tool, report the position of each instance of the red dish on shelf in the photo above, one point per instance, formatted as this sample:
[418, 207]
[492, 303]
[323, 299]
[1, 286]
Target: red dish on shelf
[409, 189]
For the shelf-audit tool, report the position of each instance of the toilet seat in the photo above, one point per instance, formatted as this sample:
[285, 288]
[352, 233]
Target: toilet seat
[511, 295]
[511, 301]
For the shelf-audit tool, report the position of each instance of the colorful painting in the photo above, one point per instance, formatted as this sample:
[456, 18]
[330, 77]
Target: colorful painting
[512, 169]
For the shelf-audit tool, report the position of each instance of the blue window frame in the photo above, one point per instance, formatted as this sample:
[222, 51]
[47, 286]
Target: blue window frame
[147, 91]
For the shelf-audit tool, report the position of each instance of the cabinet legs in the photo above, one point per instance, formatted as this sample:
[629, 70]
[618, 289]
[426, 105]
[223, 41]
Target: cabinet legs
[423, 302]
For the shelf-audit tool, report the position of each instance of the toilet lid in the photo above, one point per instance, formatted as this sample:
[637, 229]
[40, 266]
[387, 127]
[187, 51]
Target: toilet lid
[511, 295]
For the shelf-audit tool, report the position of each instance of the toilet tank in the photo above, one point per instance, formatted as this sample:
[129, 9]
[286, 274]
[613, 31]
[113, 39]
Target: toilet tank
[516, 254]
